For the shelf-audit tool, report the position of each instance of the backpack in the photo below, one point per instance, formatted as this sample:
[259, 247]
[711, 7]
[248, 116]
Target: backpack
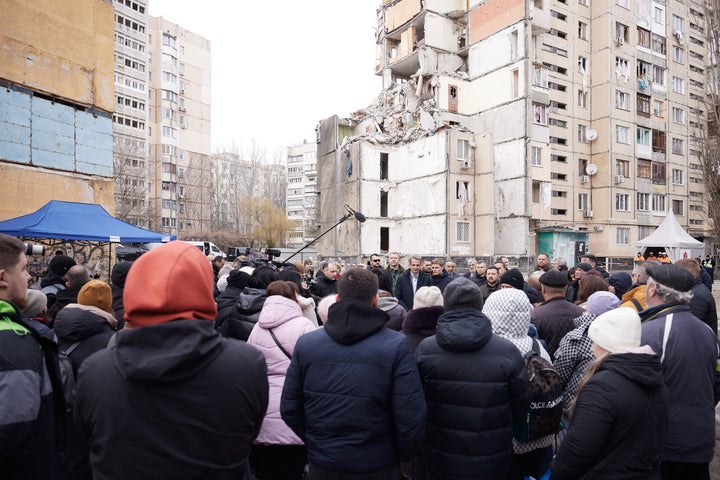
[67, 374]
[544, 413]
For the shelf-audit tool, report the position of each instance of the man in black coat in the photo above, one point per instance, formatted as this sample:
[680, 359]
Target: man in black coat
[77, 276]
[466, 368]
[325, 280]
[172, 398]
[702, 304]
[409, 282]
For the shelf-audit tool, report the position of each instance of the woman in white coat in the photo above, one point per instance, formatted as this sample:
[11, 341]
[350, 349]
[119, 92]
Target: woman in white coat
[278, 453]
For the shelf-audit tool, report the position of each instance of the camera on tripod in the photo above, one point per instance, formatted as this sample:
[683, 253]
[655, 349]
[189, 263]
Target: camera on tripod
[32, 249]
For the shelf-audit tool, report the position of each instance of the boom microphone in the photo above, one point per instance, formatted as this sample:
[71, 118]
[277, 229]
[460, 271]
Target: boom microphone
[361, 218]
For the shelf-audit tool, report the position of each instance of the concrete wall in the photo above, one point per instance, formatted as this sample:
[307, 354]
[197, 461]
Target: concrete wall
[55, 107]
[64, 49]
[494, 15]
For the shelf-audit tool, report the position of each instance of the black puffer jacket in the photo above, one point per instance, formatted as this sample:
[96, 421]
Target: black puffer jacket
[93, 328]
[475, 384]
[610, 408]
[226, 305]
[703, 305]
[322, 286]
[247, 312]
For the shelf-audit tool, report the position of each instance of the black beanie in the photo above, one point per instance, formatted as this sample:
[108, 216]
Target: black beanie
[119, 273]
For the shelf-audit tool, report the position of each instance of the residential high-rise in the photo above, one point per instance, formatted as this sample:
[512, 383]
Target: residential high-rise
[180, 176]
[523, 126]
[130, 120]
[301, 202]
[56, 104]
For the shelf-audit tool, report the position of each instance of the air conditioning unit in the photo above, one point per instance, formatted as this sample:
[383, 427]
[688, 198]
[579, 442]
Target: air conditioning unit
[182, 91]
[585, 178]
[588, 214]
[620, 40]
[465, 164]
[619, 178]
[183, 126]
[181, 195]
[189, 222]
[182, 109]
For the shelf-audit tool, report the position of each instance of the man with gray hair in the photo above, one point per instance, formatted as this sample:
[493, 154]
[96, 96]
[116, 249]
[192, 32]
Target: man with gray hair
[77, 276]
[560, 263]
[689, 352]
[635, 297]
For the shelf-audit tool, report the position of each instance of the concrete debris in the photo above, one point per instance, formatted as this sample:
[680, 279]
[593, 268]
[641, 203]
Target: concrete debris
[404, 112]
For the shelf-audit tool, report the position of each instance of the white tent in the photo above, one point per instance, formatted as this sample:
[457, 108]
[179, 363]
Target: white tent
[676, 241]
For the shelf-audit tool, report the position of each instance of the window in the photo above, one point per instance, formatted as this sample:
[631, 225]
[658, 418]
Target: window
[539, 113]
[677, 24]
[540, 76]
[622, 33]
[622, 167]
[658, 75]
[583, 203]
[658, 173]
[462, 231]
[384, 161]
[678, 146]
[658, 203]
[622, 202]
[622, 236]
[465, 152]
[384, 239]
[582, 98]
[582, 166]
[582, 30]
[643, 136]
[582, 65]
[658, 108]
[622, 100]
[558, 211]
[558, 158]
[659, 15]
[678, 85]
[536, 192]
[643, 168]
[536, 153]
[452, 98]
[584, 2]
[557, 122]
[582, 134]
[383, 204]
[678, 115]
[643, 105]
[643, 38]
[678, 54]
[622, 134]
[622, 68]
[677, 176]
[643, 202]
[623, 3]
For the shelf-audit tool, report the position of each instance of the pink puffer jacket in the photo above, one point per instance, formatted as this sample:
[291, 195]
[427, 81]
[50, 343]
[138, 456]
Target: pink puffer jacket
[285, 318]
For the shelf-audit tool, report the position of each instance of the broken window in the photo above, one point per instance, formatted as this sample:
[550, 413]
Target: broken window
[384, 157]
[452, 98]
[383, 204]
[384, 239]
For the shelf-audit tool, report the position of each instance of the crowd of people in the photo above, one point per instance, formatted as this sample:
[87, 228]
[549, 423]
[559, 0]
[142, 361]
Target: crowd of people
[197, 369]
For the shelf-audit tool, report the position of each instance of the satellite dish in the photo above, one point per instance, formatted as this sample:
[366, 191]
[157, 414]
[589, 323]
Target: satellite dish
[591, 169]
[590, 134]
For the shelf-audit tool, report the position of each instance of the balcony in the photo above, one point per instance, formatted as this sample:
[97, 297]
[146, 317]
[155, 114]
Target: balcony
[540, 18]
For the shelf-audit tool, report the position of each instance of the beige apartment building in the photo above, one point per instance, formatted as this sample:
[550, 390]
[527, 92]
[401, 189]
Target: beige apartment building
[130, 120]
[564, 127]
[179, 100]
[301, 199]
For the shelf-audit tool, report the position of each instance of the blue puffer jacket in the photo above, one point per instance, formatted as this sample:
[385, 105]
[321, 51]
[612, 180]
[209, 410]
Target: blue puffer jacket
[353, 394]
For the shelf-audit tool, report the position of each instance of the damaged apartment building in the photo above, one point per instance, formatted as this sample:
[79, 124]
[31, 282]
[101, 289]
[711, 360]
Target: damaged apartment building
[521, 126]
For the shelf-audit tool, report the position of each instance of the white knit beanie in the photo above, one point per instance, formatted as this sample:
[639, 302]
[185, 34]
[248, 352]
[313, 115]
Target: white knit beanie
[428, 297]
[617, 330]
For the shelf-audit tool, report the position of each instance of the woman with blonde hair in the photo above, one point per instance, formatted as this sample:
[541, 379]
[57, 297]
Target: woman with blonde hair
[620, 411]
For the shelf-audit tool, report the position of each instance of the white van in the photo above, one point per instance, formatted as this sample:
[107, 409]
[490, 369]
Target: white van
[208, 248]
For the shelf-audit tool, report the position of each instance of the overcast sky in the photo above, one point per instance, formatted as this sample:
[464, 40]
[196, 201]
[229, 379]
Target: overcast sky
[279, 67]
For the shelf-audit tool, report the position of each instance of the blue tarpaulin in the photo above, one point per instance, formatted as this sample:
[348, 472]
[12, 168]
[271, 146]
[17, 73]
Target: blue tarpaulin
[78, 221]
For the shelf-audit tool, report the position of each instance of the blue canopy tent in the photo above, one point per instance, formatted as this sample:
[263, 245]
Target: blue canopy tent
[78, 221]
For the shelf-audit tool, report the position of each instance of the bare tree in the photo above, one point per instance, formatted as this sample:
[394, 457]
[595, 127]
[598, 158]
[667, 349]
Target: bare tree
[708, 133]
[130, 170]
